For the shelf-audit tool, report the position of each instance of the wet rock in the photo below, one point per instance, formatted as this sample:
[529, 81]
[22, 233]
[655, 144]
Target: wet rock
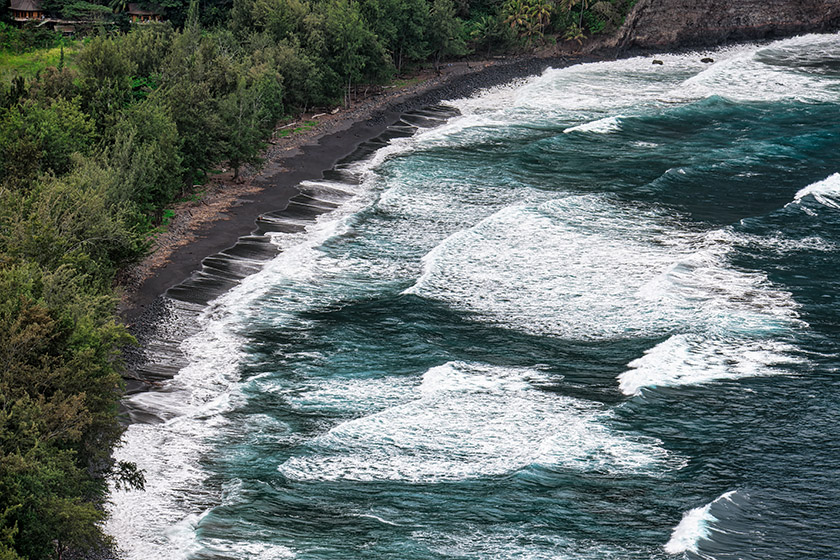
[673, 24]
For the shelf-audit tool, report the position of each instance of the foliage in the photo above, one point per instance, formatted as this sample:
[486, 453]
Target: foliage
[98, 137]
[444, 33]
[29, 63]
[593, 16]
[80, 9]
[489, 32]
[146, 47]
[24, 39]
[400, 25]
[528, 18]
[60, 382]
[246, 118]
[145, 158]
[36, 137]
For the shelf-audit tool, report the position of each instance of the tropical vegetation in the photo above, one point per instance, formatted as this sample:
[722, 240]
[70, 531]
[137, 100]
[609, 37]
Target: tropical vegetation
[101, 134]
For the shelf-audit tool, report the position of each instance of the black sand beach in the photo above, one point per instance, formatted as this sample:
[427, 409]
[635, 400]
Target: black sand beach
[285, 168]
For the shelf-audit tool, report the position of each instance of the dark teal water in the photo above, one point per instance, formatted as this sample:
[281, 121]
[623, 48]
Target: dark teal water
[594, 316]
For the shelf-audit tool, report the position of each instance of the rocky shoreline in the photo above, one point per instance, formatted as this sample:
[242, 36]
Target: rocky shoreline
[203, 228]
[299, 157]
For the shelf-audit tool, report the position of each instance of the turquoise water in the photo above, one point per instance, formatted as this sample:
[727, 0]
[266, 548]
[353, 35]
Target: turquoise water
[591, 316]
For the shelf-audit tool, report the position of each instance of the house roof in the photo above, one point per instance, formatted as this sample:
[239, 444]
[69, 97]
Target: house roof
[26, 5]
[136, 10]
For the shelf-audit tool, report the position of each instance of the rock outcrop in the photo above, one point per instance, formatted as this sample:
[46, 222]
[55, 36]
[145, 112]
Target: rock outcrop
[668, 24]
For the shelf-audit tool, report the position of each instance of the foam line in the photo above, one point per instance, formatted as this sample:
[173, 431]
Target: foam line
[694, 527]
[826, 192]
[601, 126]
[470, 420]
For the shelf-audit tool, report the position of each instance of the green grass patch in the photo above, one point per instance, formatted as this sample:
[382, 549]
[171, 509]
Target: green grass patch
[28, 64]
[196, 194]
[405, 82]
[167, 217]
[286, 132]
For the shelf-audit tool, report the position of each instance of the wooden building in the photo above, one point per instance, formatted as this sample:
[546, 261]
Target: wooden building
[26, 10]
[140, 15]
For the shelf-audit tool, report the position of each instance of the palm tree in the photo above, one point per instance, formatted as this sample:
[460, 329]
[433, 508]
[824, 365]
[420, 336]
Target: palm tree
[569, 4]
[528, 17]
[517, 13]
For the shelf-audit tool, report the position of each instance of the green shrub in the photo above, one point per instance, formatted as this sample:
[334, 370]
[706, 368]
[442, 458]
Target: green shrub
[41, 137]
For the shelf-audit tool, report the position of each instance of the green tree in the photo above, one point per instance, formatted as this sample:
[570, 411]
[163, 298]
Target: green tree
[490, 31]
[58, 391]
[88, 11]
[145, 159]
[347, 36]
[37, 137]
[528, 18]
[105, 81]
[304, 76]
[401, 26]
[146, 48]
[444, 31]
[569, 5]
[245, 119]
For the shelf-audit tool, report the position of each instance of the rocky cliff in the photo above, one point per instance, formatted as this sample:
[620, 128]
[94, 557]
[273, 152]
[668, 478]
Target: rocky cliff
[659, 24]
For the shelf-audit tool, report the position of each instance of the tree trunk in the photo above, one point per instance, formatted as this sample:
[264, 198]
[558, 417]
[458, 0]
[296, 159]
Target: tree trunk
[347, 97]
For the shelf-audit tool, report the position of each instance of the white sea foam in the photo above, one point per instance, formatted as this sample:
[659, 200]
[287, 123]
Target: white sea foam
[473, 420]
[755, 74]
[693, 528]
[826, 192]
[778, 242]
[583, 92]
[581, 267]
[585, 267]
[601, 126]
[521, 543]
[737, 313]
[566, 267]
[605, 86]
[158, 523]
[340, 394]
[252, 550]
[692, 359]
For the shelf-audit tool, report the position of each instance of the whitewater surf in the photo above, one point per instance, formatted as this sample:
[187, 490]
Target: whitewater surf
[587, 315]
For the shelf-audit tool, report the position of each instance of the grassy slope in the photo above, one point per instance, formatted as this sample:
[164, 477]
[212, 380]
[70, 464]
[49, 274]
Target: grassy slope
[30, 63]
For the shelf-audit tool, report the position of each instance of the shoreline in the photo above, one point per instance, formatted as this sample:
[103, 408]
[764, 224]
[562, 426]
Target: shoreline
[210, 224]
[320, 148]
[206, 226]
[203, 228]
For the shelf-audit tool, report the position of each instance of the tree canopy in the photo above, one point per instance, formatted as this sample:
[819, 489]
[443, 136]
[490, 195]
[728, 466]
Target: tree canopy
[91, 154]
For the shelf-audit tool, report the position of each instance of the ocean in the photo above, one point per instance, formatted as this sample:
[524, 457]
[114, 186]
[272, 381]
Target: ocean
[588, 315]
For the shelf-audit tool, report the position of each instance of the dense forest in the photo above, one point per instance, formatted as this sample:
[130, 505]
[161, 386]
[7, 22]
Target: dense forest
[94, 148]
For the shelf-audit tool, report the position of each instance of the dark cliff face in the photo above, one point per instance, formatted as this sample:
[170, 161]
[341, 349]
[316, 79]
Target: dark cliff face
[654, 24]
